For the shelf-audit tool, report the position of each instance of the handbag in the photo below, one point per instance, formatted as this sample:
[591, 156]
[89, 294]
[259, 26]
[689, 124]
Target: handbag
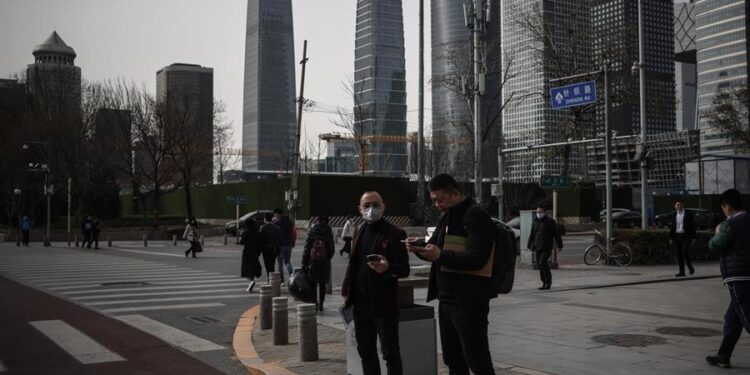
[347, 313]
[197, 246]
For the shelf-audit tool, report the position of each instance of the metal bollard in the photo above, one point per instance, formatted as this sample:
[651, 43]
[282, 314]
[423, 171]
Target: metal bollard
[275, 281]
[225, 239]
[145, 240]
[203, 240]
[174, 240]
[280, 321]
[109, 241]
[76, 240]
[307, 326]
[266, 316]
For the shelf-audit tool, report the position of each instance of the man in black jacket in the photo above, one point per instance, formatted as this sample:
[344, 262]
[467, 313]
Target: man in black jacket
[464, 296]
[543, 232]
[378, 257]
[681, 233]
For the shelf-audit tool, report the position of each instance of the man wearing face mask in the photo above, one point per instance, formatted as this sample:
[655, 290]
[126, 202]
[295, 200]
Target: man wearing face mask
[378, 258]
[543, 232]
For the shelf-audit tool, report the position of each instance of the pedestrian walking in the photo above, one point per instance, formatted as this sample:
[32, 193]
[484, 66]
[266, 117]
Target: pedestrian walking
[25, 225]
[250, 268]
[95, 233]
[317, 254]
[192, 236]
[455, 280]
[346, 234]
[370, 286]
[288, 240]
[87, 231]
[270, 238]
[544, 232]
[732, 242]
[681, 234]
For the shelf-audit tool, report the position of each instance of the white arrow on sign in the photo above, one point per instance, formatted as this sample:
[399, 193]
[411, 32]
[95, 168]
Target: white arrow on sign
[559, 98]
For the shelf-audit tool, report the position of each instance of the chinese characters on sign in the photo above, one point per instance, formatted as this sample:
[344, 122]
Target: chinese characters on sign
[573, 95]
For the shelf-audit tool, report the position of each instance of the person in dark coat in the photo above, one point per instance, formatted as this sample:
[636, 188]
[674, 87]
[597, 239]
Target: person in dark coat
[319, 271]
[543, 232]
[25, 228]
[270, 243]
[87, 228]
[250, 252]
[681, 234]
[95, 230]
[288, 240]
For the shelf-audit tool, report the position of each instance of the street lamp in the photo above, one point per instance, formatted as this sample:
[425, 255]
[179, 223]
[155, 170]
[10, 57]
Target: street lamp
[17, 193]
[48, 188]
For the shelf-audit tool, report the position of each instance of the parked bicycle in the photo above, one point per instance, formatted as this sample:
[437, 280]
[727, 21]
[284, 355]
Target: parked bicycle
[621, 253]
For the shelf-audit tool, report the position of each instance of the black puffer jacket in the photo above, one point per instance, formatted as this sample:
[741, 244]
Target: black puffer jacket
[318, 270]
[734, 246]
[543, 232]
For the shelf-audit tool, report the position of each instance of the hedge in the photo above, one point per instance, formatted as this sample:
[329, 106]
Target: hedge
[652, 247]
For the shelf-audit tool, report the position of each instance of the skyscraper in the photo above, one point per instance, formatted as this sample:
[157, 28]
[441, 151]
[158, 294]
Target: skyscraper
[721, 33]
[53, 80]
[187, 91]
[268, 113]
[685, 69]
[379, 86]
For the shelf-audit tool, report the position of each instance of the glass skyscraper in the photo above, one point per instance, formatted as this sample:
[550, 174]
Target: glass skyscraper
[269, 113]
[379, 87]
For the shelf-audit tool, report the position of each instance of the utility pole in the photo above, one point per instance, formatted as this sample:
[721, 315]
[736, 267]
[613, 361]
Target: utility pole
[642, 78]
[608, 159]
[477, 23]
[291, 195]
[420, 131]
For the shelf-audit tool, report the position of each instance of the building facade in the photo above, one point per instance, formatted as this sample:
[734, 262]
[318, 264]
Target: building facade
[379, 86]
[53, 80]
[722, 37]
[685, 69]
[268, 112]
[187, 93]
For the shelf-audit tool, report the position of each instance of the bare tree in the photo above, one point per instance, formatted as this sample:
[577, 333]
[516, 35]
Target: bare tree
[729, 115]
[354, 123]
[223, 133]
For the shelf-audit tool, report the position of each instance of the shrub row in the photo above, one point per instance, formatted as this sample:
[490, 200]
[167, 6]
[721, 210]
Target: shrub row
[652, 247]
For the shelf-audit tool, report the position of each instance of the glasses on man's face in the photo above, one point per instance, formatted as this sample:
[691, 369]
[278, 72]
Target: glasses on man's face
[371, 204]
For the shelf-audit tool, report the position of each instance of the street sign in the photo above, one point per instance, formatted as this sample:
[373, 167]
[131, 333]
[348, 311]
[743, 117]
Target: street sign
[237, 199]
[555, 182]
[573, 95]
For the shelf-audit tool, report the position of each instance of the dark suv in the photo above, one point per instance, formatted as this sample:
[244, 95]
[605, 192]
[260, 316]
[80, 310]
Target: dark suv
[255, 217]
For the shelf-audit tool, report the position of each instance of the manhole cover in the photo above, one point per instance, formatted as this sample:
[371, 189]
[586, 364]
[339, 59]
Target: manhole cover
[689, 331]
[629, 340]
[126, 283]
[204, 319]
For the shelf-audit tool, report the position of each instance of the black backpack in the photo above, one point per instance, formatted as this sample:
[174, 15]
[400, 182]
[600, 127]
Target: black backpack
[504, 264]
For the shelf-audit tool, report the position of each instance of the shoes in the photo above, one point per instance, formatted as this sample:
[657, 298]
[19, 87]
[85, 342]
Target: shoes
[186, 253]
[692, 271]
[250, 286]
[545, 286]
[715, 360]
[681, 274]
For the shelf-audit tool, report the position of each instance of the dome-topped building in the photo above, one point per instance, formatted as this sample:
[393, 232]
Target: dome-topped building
[54, 51]
[53, 79]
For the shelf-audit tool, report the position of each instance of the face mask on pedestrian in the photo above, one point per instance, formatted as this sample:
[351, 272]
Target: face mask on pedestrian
[540, 215]
[372, 214]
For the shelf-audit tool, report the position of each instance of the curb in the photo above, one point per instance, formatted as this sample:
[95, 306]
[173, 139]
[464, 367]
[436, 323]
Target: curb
[242, 342]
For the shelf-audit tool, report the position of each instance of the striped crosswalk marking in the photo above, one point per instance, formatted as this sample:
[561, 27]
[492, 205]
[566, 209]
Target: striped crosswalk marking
[170, 334]
[162, 307]
[155, 281]
[170, 293]
[80, 346]
[149, 288]
[159, 300]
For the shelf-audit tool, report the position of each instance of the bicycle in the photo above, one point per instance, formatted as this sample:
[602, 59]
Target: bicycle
[621, 253]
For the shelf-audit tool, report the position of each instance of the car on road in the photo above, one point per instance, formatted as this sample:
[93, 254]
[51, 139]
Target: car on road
[704, 219]
[254, 217]
[603, 213]
[622, 217]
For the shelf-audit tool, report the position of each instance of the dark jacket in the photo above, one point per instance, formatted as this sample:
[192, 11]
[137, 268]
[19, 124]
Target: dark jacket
[270, 239]
[318, 270]
[250, 264]
[383, 287]
[285, 224]
[688, 225]
[471, 220]
[543, 232]
[733, 244]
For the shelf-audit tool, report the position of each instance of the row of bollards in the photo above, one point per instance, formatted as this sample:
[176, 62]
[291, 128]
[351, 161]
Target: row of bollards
[274, 315]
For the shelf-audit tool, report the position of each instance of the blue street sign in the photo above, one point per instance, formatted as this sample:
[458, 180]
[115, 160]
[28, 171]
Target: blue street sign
[237, 199]
[573, 95]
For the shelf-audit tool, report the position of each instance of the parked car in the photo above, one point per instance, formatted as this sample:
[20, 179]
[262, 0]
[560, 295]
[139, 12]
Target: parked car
[255, 217]
[704, 219]
[603, 213]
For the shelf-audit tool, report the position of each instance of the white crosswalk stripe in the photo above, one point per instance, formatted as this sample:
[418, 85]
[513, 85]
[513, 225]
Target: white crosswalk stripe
[170, 334]
[162, 307]
[80, 346]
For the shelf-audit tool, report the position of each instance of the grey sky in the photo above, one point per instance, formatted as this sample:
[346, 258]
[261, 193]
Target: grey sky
[133, 39]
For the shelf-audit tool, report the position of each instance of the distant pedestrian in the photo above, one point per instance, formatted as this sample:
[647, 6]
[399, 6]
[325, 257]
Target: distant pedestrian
[95, 233]
[316, 257]
[87, 231]
[681, 234]
[288, 240]
[544, 232]
[191, 235]
[346, 234]
[732, 242]
[251, 269]
[25, 225]
[270, 239]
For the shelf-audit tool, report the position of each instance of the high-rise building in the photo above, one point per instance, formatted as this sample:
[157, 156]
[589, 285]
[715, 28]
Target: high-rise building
[187, 91]
[722, 37]
[380, 83]
[269, 113]
[53, 80]
[685, 70]
[452, 64]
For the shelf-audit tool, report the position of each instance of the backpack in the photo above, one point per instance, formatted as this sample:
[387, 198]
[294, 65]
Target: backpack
[504, 264]
[318, 250]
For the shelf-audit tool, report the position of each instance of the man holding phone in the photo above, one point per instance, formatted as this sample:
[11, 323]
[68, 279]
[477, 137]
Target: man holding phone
[370, 287]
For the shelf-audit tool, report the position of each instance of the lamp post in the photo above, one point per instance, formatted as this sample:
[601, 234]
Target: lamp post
[640, 67]
[48, 188]
[17, 193]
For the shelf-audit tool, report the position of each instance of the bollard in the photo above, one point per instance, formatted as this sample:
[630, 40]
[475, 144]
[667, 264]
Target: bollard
[266, 293]
[280, 321]
[174, 240]
[145, 240]
[203, 240]
[307, 325]
[225, 239]
[275, 281]
[109, 241]
[76, 240]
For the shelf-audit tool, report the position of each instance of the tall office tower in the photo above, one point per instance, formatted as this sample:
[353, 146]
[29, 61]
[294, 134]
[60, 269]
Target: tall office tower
[269, 113]
[722, 27]
[529, 119]
[685, 70]
[380, 84]
[187, 91]
[452, 120]
[53, 80]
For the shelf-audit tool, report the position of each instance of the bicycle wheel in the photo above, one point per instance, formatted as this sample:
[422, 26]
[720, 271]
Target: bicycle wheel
[622, 254]
[592, 255]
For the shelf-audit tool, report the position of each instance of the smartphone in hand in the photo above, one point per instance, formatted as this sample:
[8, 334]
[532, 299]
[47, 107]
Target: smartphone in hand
[373, 258]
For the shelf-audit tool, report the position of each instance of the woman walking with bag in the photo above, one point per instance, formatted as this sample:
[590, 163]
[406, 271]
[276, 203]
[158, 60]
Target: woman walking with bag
[250, 252]
[316, 257]
[191, 234]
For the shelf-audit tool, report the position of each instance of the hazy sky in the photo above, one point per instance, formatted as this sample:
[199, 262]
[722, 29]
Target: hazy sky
[135, 38]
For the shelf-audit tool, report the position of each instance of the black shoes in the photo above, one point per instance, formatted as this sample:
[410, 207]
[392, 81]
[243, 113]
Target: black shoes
[545, 286]
[715, 360]
[692, 270]
[250, 286]
[681, 274]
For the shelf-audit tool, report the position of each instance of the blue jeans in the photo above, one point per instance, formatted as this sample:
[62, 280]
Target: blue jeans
[284, 257]
[736, 317]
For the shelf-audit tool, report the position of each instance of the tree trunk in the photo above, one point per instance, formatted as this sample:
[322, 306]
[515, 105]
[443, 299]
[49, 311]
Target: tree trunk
[189, 200]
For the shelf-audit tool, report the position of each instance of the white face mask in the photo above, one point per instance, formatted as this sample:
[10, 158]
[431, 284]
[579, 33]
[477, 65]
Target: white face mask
[372, 214]
[540, 215]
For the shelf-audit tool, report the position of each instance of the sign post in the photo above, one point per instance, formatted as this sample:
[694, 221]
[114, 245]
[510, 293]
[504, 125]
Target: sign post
[237, 200]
